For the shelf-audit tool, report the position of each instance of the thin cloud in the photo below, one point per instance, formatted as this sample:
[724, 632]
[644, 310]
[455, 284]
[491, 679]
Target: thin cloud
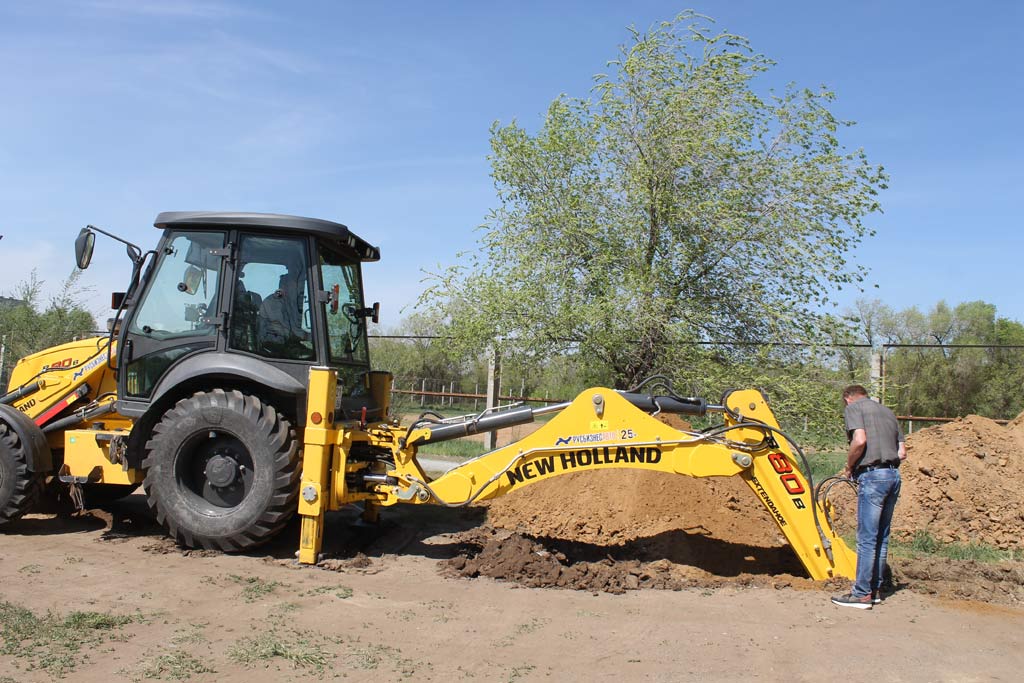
[182, 10]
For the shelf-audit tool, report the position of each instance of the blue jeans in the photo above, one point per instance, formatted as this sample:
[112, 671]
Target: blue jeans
[877, 493]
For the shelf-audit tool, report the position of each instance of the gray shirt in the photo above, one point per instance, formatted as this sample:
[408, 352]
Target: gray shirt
[881, 427]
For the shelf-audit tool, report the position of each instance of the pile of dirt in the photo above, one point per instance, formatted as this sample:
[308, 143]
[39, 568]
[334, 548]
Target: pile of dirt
[613, 507]
[618, 506]
[552, 563]
[669, 561]
[962, 483]
[620, 529]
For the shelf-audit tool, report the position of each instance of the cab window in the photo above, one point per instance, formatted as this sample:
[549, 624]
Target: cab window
[346, 329]
[183, 291]
[270, 313]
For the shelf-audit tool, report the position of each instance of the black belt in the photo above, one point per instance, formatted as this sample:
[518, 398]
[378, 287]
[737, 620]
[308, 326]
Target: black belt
[877, 466]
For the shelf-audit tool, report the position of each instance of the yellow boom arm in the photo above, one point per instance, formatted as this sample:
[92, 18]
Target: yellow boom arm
[600, 429]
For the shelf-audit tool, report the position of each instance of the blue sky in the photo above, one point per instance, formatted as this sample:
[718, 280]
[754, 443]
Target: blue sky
[376, 115]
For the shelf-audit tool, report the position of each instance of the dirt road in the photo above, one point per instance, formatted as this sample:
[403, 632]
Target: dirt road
[387, 606]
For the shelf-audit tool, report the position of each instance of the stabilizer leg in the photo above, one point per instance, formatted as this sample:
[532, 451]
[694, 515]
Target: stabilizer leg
[316, 457]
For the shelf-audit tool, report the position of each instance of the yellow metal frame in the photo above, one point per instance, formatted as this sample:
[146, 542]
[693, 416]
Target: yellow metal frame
[87, 456]
[598, 430]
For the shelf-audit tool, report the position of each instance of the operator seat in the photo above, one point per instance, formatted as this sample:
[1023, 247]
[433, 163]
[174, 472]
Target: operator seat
[280, 333]
[245, 322]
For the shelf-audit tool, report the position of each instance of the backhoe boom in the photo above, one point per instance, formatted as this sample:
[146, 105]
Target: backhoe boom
[600, 429]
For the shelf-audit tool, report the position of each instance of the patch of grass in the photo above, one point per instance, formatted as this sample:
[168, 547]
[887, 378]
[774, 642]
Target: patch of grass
[193, 634]
[824, 465]
[30, 569]
[340, 592]
[51, 642]
[280, 612]
[174, 666]
[441, 610]
[458, 448]
[588, 613]
[530, 626]
[371, 656]
[302, 649]
[255, 587]
[519, 671]
[924, 543]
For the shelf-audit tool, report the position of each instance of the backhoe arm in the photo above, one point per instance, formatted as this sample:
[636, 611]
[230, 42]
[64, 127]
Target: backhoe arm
[603, 429]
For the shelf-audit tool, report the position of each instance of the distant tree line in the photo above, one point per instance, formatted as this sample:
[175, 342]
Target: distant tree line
[802, 381]
[966, 361]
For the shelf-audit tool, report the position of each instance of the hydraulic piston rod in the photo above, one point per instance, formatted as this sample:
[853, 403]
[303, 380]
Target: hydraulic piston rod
[511, 417]
[21, 393]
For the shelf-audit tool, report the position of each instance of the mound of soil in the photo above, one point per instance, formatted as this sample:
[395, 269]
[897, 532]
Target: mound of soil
[614, 507]
[617, 530]
[962, 483]
[669, 561]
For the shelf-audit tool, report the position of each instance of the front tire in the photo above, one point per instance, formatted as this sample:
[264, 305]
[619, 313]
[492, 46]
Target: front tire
[19, 487]
[222, 471]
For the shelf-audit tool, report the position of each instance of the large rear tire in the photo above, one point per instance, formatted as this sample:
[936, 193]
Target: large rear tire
[222, 471]
[19, 487]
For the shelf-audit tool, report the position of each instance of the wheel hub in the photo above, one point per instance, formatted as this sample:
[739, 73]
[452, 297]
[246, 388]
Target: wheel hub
[222, 470]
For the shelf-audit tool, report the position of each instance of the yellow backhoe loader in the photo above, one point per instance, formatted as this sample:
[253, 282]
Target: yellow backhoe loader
[235, 386]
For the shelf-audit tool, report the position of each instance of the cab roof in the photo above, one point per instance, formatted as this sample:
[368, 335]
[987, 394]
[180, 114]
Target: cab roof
[270, 223]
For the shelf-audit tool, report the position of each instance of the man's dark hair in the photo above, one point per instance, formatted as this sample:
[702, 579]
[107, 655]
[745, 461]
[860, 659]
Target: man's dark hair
[854, 390]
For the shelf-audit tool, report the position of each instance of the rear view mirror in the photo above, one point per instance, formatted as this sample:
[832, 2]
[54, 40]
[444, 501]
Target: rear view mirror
[84, 243]
[191, 280]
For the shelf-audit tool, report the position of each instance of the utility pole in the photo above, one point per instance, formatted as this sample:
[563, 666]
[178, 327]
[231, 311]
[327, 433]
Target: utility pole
[493, 382]
[877, 387]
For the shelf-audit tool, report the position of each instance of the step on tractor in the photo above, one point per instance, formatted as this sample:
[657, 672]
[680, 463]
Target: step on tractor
[235, 386]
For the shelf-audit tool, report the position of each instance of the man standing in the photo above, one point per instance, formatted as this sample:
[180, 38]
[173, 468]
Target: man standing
[876, 450]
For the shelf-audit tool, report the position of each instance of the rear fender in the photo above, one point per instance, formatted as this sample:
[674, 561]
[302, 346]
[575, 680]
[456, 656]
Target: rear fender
[37, 450]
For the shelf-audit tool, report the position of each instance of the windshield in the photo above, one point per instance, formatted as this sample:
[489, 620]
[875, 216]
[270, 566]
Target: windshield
[346, 327]
[183, 290]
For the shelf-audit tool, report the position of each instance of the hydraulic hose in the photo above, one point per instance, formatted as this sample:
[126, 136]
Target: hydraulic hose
[82, 415]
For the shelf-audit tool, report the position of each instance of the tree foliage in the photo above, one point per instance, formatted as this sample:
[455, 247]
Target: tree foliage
[26, 329]
[674, 204]
[953, 380]
[957, 367]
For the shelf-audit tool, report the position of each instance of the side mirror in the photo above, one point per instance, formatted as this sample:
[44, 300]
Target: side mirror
[191, 280]
[117, 300]
[375, 315]
[84, 243]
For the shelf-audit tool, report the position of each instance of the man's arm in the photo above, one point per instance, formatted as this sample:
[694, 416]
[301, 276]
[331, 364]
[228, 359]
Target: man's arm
[858, 442]
[902, 451]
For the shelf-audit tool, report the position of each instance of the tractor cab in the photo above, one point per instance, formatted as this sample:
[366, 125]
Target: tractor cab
[251, 301]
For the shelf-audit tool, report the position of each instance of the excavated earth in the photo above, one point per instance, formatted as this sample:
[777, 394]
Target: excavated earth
[619, 530]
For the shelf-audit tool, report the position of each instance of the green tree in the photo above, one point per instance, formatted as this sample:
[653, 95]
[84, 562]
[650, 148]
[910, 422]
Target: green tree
[675, 204]
[25, 329]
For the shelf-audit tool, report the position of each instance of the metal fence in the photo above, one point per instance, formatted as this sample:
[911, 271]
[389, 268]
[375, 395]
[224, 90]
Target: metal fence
[877, 373]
